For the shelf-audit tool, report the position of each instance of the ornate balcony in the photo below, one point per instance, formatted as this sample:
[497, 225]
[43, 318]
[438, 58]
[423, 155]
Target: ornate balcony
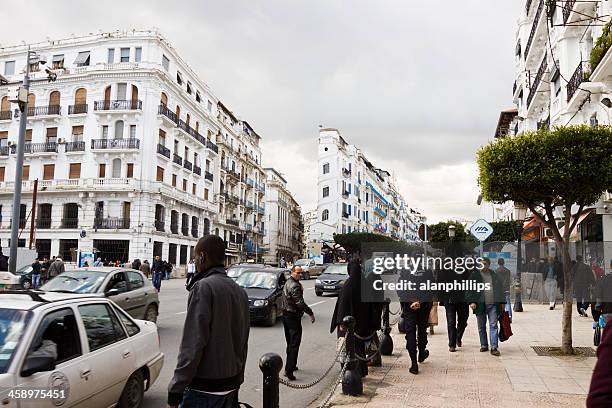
[567, 9]
[163, 110]
[187, 164]
[177, 159]
[30, 148]
[208, 175]
[578, 77]
[163, 150]
[534, 27]
[174, 228]
[536, 82]
[70, 223]
[4, 150]
[117, 105]
[160, 226]
[75, 146]
[197, 170]
[103, 144]
[43, 223]
[233, 222]
[77, 109]
[111, 223]
[6, 115]
[50, 110]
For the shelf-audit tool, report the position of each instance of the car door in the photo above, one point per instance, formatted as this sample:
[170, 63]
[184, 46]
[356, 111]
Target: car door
[138, 295]
[123, 297]
[59, 329]
[111, 358]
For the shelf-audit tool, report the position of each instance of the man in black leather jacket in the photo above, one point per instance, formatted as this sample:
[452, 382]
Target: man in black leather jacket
[294, 307]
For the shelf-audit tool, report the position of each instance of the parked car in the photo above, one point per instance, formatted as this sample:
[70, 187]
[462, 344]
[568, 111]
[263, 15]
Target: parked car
[129, 288]
[233, 271]
[264, 287]
[309, 268]
[332, 280]
[21, 279]
[82, 350]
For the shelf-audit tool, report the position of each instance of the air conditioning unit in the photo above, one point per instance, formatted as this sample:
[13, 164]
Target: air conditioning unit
[60, 140]
[548, 233]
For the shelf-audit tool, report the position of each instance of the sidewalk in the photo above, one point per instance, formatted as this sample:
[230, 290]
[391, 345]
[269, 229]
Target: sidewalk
[468, 378]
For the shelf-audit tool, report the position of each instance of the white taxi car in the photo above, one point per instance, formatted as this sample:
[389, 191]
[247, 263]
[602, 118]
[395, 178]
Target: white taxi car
[68, 350]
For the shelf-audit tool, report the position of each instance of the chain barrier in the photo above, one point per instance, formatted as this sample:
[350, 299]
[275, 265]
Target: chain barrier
[376, 352]
[327, 401]
[318, 380]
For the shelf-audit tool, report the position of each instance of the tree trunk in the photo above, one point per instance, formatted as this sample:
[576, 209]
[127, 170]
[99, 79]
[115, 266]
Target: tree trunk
[568, 290]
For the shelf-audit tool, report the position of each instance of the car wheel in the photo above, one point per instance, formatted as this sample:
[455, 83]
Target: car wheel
[26, 284]
[318, 293]
[133, 392]
[151, 313]
[272, 318]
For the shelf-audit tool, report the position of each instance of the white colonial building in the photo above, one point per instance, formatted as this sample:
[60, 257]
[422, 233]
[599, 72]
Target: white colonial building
[285, 228]
[125, 148]
[563, 77]
[355, 196]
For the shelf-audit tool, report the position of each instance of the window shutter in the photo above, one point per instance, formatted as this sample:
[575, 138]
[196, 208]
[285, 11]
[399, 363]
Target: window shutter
[48, 171]
[54, 98]
[184, 185]
[25, 172]
[78, 130]
[174, 180]
[75, 171]
[51, 132]
[80, 97]
[102, 170]
[130, 170]
[193, 190]
[160, 174]
[28, 135]
[1, 173]
[206, 194]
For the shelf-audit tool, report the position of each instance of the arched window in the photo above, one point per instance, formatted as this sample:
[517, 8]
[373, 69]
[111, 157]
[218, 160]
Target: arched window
[119, 129]
[163, 99]
[178, 112]
[31, 100]
[134, 97]
[5, 105]
[54, 98]
[116, 168]
[107, 97]
[80, 101]
[187, 119]
[325, 215]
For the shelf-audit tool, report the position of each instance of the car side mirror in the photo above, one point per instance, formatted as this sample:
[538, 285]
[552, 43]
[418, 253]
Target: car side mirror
[111, 292]
[37, 364]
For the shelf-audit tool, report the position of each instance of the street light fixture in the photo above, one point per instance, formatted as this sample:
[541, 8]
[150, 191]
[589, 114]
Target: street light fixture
[451, 231]
[22, 101]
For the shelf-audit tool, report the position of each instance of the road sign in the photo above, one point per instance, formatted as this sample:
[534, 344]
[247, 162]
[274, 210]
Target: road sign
[481, 230]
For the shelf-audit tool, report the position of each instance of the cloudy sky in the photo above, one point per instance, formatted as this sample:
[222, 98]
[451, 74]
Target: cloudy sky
[417, 85]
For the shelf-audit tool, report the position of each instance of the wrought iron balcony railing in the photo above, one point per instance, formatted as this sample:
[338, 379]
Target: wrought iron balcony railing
[197, 170]
[111, 223]
[117, 104]
[568, 6]
[6, 115]
[578, 77]
[208, 175]
[177, 159]
[41, 111]
[534, 27]
[43, 223]
[75, 146]
[163, 150]
[233, 222]
[29, 147]
[77, 109]
[70, 223]
[536, 81]
[187, 164]
[130, 143]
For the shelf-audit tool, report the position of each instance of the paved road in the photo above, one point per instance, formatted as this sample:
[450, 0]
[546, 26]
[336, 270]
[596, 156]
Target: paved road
[316, 352]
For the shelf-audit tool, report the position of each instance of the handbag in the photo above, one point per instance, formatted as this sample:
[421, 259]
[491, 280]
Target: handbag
[505, 327]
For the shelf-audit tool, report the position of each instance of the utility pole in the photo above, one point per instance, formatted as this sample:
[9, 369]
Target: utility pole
[32, 225]
[23, 118]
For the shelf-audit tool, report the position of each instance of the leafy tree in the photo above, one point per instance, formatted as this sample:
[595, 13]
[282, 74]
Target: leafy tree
[352, 242]
[504, 231]
[563, 167]
[439, 232]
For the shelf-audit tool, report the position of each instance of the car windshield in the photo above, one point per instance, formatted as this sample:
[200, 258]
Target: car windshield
[263, 280]
[12, 326]
[234, 271]
[302, 262]
[24, 271]
[337, 269]
[75, 282]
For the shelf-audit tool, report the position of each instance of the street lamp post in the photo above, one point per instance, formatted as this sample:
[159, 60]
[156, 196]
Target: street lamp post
[521, 213]
[451, 235]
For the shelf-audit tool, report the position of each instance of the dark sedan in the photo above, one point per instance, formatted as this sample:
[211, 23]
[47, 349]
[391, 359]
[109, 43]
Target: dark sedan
[332, 280]
[264, 288]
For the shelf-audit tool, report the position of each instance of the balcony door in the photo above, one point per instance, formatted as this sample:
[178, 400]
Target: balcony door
[127, 207]
[116, 168]
[121, 91]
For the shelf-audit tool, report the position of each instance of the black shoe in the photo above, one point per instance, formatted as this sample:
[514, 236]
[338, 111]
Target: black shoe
[414, 368]
[484, 349]
[452, 349]
[423, 355]
[459, 343]
[290, 375]
[551, 308]
[495, 352]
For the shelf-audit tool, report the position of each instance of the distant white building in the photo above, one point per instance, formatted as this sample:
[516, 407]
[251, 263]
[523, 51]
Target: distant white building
[283, 218]
[355, 196]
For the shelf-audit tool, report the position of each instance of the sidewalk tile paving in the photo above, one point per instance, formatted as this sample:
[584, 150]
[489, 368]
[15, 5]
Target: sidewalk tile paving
[471, 379]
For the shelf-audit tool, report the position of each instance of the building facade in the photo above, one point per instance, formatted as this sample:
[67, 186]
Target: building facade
[563, 77]
[356, 196]
[285, 235]
[125, 148]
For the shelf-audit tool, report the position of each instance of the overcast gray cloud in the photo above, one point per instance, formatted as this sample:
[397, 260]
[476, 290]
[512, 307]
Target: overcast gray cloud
[418, 86]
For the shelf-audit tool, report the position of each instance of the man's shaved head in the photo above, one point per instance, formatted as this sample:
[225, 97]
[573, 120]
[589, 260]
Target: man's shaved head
[213, 248]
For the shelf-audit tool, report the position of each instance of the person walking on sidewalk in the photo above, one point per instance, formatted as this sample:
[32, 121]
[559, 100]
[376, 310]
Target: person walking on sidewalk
[56, 268]
[213, 351]
[145, 268]
[36, 268]
[488, 304]
[294, 307]
[506, 278]
[456, 307]
[583, 283]
[157, 269]
[191, 269]
[551, 273]
[416, 306]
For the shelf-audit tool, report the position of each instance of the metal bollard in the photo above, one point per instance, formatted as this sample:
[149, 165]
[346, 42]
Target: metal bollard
[352, 383]
[386, 343]
[270, 365]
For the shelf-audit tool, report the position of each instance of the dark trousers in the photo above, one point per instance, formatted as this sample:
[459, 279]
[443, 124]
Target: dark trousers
[198, 399]
[583, 298]
[415, 325]
[292, 324]
[457, 315]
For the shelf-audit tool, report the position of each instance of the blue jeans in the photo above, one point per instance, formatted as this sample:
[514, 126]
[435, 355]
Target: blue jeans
[157, 278]
[508, 305]
[198, 399]
[35, 280]
[481, 319]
